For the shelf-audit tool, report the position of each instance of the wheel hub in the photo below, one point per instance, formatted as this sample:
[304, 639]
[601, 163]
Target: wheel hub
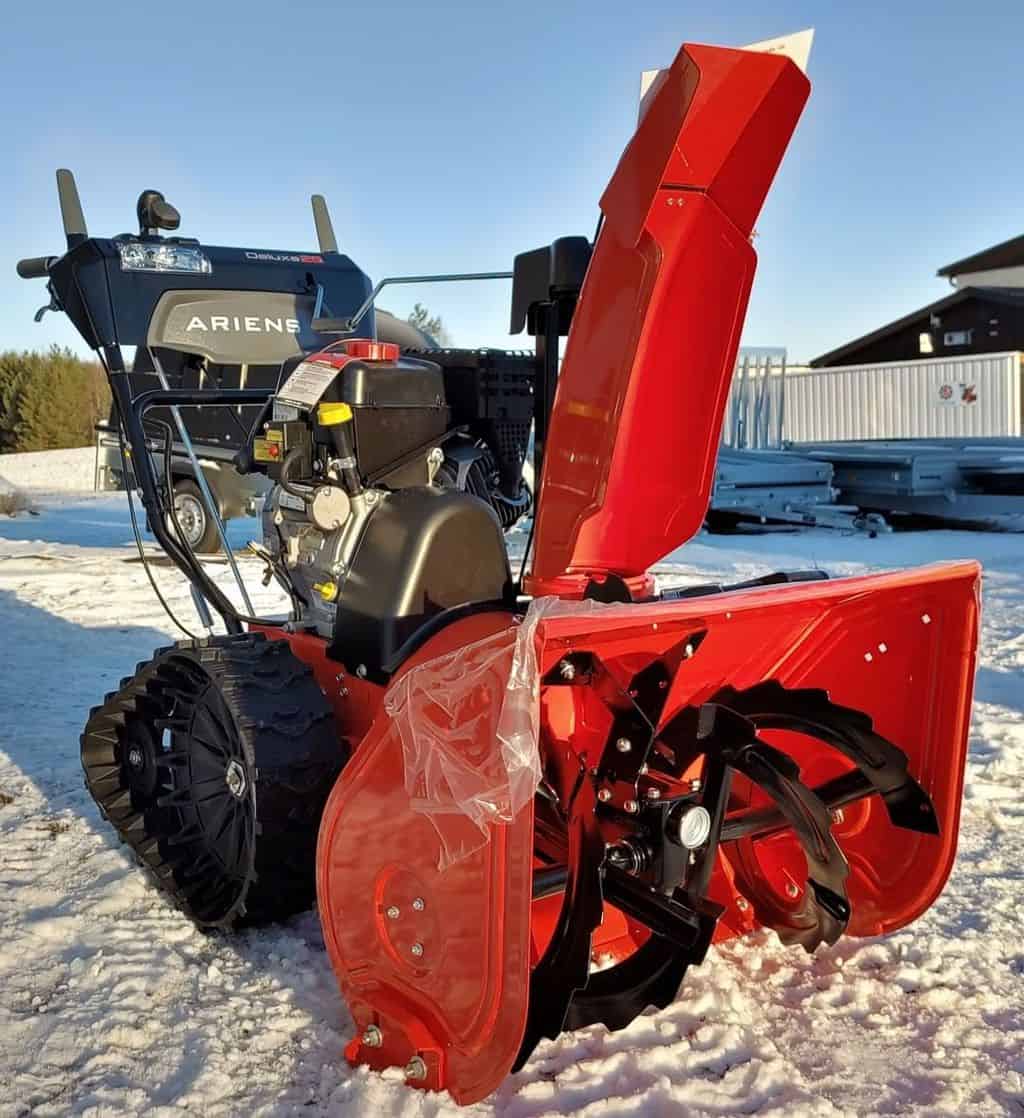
[190, 517]
[234, 778]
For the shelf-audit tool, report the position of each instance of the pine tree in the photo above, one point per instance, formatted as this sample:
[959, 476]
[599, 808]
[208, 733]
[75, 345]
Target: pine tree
[430, 324]
[49, 401]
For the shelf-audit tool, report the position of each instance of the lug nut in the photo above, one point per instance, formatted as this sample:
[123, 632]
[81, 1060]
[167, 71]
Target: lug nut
[417, 949]
[372, 1037]
[418, 905]
[416, 1069]
[393, 912]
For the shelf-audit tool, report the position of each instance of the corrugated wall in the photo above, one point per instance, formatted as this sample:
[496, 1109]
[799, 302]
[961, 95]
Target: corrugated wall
[950, 397]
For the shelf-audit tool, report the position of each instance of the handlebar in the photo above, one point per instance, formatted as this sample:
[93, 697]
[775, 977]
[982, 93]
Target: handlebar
[36, 267]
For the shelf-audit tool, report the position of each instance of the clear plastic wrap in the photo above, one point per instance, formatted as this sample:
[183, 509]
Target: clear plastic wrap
[469, 724]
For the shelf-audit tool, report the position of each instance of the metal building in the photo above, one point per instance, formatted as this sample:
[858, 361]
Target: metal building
[969, 397]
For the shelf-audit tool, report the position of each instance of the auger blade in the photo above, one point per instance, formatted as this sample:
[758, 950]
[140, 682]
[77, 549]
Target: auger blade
[825, 910]
[808, 711]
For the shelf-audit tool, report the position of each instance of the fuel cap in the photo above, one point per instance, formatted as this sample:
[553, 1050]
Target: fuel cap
[366, 349]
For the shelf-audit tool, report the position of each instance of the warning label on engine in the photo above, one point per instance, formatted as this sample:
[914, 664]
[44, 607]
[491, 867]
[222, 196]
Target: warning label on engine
[308, 382]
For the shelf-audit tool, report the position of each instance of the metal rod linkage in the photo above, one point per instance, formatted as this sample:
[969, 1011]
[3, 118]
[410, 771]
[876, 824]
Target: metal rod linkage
[449, 277]
[211, 504]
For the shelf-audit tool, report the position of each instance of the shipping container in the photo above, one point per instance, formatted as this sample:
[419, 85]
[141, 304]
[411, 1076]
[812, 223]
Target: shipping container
[955, 397]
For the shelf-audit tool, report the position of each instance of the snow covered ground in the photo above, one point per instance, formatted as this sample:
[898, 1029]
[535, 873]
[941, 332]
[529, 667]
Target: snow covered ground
[111, 1003]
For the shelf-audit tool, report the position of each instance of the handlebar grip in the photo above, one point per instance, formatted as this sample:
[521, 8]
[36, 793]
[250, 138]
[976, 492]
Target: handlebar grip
[35, 267]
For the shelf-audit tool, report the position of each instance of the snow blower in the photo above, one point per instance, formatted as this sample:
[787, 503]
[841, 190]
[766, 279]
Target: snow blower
[525, 805]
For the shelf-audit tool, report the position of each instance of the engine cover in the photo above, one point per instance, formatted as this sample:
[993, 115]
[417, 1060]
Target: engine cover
[423, 550]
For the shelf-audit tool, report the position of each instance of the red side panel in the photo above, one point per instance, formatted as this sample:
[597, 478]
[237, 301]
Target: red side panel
[437, 961]
[649, 360]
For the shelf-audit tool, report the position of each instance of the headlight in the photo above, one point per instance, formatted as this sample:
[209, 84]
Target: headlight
[138, 256]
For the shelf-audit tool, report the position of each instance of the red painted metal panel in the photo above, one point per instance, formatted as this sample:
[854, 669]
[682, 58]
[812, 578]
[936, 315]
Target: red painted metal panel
[458, 1001]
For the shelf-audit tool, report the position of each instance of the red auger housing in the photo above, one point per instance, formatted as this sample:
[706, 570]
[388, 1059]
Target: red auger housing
[531, 806]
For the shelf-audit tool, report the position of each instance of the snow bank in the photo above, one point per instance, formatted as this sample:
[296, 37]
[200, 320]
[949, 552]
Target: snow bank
[51, 470]
[11, 500]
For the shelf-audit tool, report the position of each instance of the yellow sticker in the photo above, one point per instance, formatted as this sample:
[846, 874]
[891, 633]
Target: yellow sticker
[266, 450]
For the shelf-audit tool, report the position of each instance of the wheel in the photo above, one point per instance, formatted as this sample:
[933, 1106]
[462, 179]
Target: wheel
[214, 762]
[193, 520]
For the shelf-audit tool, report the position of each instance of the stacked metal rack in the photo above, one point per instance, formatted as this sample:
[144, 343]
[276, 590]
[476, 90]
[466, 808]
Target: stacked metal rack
[756, 481]
[965, 481]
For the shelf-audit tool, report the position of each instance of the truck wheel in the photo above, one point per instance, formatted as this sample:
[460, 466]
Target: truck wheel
[194, 521]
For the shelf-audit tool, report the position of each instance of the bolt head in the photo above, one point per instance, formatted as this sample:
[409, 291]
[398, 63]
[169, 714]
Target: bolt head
[792, 890]
[604, 795]
[418, 904]
[361, 671]
[393, 912]
[623, 745]
[631, 806]
[416, 1069]
[695, 785]
[135, 757]
[372, 1037]
[654, 793]
[567, 670]
[743, 904]
[417, 950]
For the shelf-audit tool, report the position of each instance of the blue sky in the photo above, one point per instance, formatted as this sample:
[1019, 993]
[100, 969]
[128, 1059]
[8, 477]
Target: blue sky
[449, 136]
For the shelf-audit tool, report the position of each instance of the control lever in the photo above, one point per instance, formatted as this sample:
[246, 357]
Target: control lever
[52, 305]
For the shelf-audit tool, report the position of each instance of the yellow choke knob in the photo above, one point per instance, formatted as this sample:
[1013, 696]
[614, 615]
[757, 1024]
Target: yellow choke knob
[330, 415]
[327, 590]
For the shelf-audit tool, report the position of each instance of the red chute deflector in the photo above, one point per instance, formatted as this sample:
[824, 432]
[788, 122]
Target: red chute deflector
[638, 411]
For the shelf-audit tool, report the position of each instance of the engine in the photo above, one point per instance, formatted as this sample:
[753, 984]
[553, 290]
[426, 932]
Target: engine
[395, 477]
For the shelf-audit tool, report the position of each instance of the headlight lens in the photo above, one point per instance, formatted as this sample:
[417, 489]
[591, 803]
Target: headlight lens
[137, 256]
